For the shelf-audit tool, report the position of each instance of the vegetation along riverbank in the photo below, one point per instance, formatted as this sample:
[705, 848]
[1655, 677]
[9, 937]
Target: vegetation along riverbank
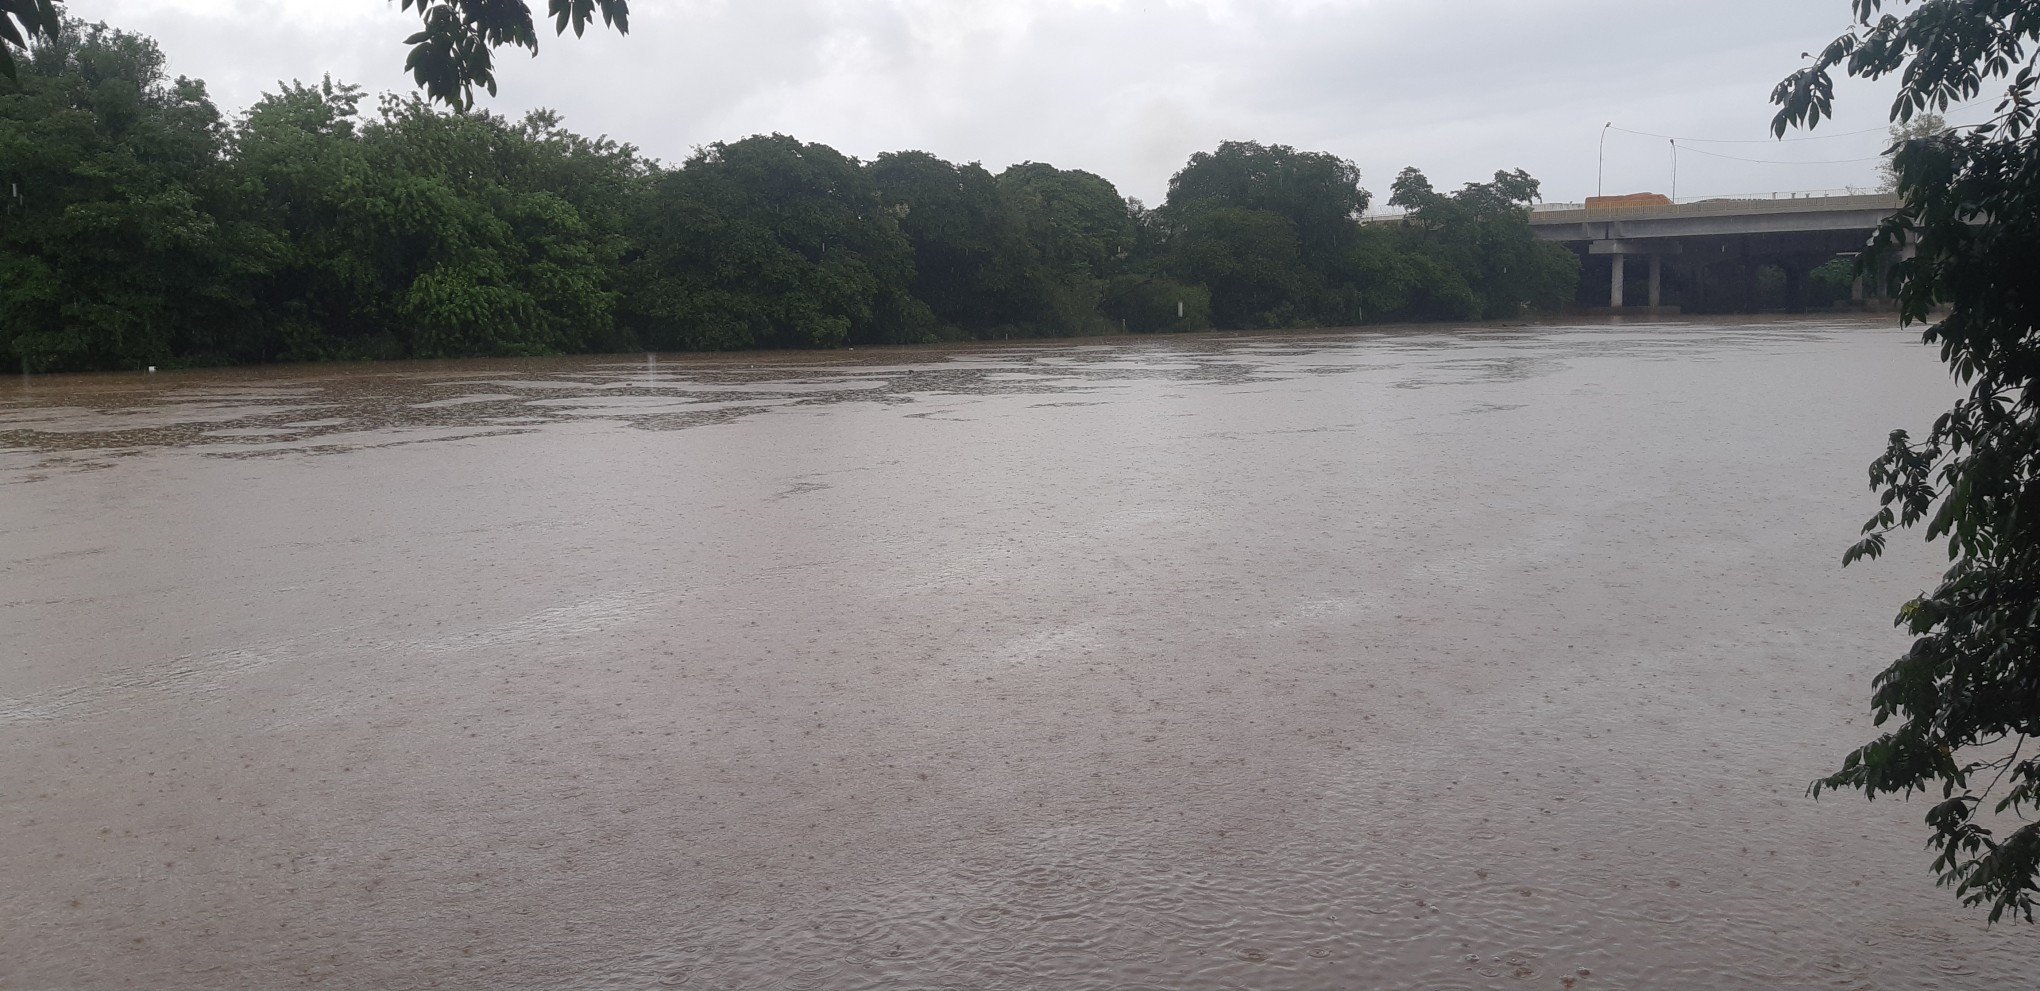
[144, 226]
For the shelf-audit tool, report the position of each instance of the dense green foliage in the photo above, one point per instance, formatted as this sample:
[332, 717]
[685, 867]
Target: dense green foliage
[141, 227]
[113, 249]
[1474, 256]
[769, 242]
[1920, 125]
[1966, 695]
[21, 20]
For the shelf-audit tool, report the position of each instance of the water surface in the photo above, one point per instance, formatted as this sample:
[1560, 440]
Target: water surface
[1430, 659]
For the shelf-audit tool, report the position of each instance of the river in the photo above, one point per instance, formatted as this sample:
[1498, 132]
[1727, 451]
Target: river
[1427, 658]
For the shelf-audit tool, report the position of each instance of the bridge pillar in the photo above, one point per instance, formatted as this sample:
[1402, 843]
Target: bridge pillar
[1618, 250]
[1796, 271]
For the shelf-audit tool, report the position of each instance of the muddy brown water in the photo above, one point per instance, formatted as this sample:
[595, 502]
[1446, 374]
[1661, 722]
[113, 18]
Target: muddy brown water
[1428, 659]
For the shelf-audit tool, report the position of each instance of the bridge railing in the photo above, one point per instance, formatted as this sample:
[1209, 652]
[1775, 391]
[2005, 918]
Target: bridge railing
[1788, 194]
[1715, 205]
[1721, 206]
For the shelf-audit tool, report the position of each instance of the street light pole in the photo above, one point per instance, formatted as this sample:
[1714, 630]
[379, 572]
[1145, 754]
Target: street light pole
[1601, 161]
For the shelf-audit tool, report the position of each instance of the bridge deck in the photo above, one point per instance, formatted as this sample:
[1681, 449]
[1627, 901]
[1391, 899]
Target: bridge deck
[1698, 239]
[1870, 202]
[1797, 234]
[1823, 218]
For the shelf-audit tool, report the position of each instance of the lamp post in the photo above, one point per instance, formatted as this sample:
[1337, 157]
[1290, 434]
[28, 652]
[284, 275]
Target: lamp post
[1601, 160]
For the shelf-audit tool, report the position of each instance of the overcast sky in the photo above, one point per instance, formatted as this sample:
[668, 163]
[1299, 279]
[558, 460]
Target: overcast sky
[1129, 89]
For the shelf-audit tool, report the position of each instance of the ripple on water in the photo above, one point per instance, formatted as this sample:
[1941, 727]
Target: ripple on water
[988, 917]
[1043, 876]
[1157, 902]
[811, 974]
[1664, 915]
[1172, 790]
[847, 925]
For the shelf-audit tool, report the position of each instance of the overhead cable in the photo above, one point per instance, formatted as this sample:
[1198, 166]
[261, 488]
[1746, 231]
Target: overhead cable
[1743, 141]
[1683, 140]
[1781, 161]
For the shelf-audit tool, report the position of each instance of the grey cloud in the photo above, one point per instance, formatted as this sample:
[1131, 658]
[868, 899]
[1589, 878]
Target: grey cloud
[1129, 89]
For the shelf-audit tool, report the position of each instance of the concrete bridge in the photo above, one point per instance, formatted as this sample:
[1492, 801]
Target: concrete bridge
[1712, 250]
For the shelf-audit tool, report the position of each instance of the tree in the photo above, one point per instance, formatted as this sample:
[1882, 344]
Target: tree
[302, 172]
[1965, 696]
[1151, 304]
[972, 263]
[484, 249]
[772, 242]
[114, 253]
[1083, 234]
[455, 49]
[1268, 229]
[20, 21]
[1476, 254]
[1318, 193]
[140, 228]
[1251, 261]
[427, 233]
[1077, 219]
[1921, 127]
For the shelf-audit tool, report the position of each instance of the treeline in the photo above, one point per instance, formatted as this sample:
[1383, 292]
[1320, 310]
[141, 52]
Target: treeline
[142, 227]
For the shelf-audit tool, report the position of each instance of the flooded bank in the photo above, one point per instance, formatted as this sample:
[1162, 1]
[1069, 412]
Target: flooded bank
[1435, 658]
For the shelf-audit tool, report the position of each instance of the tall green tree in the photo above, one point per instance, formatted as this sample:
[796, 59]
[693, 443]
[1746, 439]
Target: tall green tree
[485, 252]
[113, 250]
[1082, 233]
[1318, 193]
[1963, 702]
[1251, 262]
[426, 233]
[303, 176]
[1268, 229]
[973, 265]
[1077, 219]
[773, 242]
[1475, 255]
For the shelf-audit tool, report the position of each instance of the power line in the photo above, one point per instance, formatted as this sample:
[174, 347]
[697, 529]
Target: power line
[1748, 141]
[1682, 139]
[1780, 161]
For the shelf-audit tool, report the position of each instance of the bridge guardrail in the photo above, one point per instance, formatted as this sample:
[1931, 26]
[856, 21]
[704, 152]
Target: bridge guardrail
[1710, 206]
[1719, 207]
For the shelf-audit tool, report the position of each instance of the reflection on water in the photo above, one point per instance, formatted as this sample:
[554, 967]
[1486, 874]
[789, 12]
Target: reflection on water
[1444, 659]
